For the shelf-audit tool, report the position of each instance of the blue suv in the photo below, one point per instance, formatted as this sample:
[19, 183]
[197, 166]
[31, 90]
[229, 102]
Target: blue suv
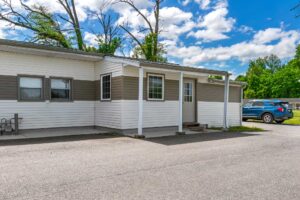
[267, 110]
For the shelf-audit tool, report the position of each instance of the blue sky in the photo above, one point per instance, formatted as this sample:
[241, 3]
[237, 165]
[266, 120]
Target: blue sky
[216, 34]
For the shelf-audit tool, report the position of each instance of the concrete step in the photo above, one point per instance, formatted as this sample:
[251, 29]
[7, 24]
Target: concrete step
[190, 124]
[200, 128]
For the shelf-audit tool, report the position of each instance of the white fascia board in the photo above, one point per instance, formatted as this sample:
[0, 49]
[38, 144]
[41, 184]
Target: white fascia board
[123, 61]
[175, 71]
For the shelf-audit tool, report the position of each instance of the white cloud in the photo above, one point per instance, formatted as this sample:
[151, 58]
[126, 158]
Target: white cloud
[174, 21]
[214, 25]
[91, 39]
[269, 35]
[244, 51]
[3, 29]
[245, 29]
[204, 4]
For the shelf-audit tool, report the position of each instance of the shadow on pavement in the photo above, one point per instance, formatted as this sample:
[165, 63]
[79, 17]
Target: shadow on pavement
[69, 138]
[203, 137]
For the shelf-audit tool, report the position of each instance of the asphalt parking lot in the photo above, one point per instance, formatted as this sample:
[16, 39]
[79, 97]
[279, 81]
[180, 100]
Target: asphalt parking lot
[263, 165]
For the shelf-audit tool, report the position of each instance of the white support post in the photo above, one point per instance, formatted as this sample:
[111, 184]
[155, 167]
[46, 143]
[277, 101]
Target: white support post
[226, 98]
[180, 121]
[141, 101]
[241, 106]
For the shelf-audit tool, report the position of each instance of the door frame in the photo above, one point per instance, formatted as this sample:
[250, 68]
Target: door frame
[195, 80]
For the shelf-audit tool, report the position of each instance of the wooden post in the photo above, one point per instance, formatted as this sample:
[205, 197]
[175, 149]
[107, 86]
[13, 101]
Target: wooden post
[16, 118]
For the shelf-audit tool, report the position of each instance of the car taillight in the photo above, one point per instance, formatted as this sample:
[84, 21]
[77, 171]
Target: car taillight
[280, 109]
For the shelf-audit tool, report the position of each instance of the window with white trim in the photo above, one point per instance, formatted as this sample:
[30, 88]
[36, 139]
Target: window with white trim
[106, 87]
[155, 87]
[60, 89]
[188, 92]
[31, 88]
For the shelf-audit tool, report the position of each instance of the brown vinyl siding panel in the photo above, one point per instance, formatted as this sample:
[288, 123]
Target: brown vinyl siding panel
[81, 90]
[84, 90]
[8, 87]
[116, 88]
[130, 89]
[215, 93]
[123, 87]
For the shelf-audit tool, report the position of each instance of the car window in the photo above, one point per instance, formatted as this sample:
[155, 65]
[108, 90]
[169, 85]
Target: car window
[248, 105]
[258, 104]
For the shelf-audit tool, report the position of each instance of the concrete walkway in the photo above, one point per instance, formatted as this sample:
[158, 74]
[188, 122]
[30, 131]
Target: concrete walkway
[56, 132]
[60, 132]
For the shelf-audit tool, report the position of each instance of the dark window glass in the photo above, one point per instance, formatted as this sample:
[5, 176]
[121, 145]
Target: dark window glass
[188, 92]
[31, 88]
[155, 87]
[258, 104]
[60, 89]
[106, 87]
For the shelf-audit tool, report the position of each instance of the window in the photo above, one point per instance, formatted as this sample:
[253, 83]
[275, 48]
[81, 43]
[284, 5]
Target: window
[31, 88]
[258, 103]
[188, 92]
[155, 87]
[60, 89]
[106, 87]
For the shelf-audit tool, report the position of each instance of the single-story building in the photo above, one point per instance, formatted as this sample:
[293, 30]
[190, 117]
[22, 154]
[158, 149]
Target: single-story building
[51, 87]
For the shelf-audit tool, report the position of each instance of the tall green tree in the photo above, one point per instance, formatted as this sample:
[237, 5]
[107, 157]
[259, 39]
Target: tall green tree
[268, 78]
[146, 50]
[48, 28]
[149, 47]
[45, 26]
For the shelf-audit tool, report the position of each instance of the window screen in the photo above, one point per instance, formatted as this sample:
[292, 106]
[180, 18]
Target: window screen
[60, 89]
[31, 88]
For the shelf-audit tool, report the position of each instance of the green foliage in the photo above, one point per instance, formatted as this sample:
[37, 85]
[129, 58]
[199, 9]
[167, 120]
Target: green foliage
[148, 51]
[106, 47]
[47, 28]
[111, 47]
[268, 78]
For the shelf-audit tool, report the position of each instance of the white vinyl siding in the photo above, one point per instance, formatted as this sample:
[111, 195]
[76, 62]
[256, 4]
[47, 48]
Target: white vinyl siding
[49, 115]
[14, 64]
[108, 114]
[156, 114]
[105, 67]
[211, 113]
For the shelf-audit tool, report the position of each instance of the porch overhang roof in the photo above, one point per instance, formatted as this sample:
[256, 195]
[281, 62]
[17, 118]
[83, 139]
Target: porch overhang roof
[167, 66]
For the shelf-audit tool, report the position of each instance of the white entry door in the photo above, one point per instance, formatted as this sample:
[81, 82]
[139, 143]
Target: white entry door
[189, 112]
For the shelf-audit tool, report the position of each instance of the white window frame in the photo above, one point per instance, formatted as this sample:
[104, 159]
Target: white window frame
[163, 87]
[101, 87]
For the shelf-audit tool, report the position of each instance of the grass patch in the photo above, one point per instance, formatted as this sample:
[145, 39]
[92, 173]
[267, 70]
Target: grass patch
[244, 129]
[295, 120]
[239, 129]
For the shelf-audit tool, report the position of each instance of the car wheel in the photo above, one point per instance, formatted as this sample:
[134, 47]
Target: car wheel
[279, 121]
[267, 118]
